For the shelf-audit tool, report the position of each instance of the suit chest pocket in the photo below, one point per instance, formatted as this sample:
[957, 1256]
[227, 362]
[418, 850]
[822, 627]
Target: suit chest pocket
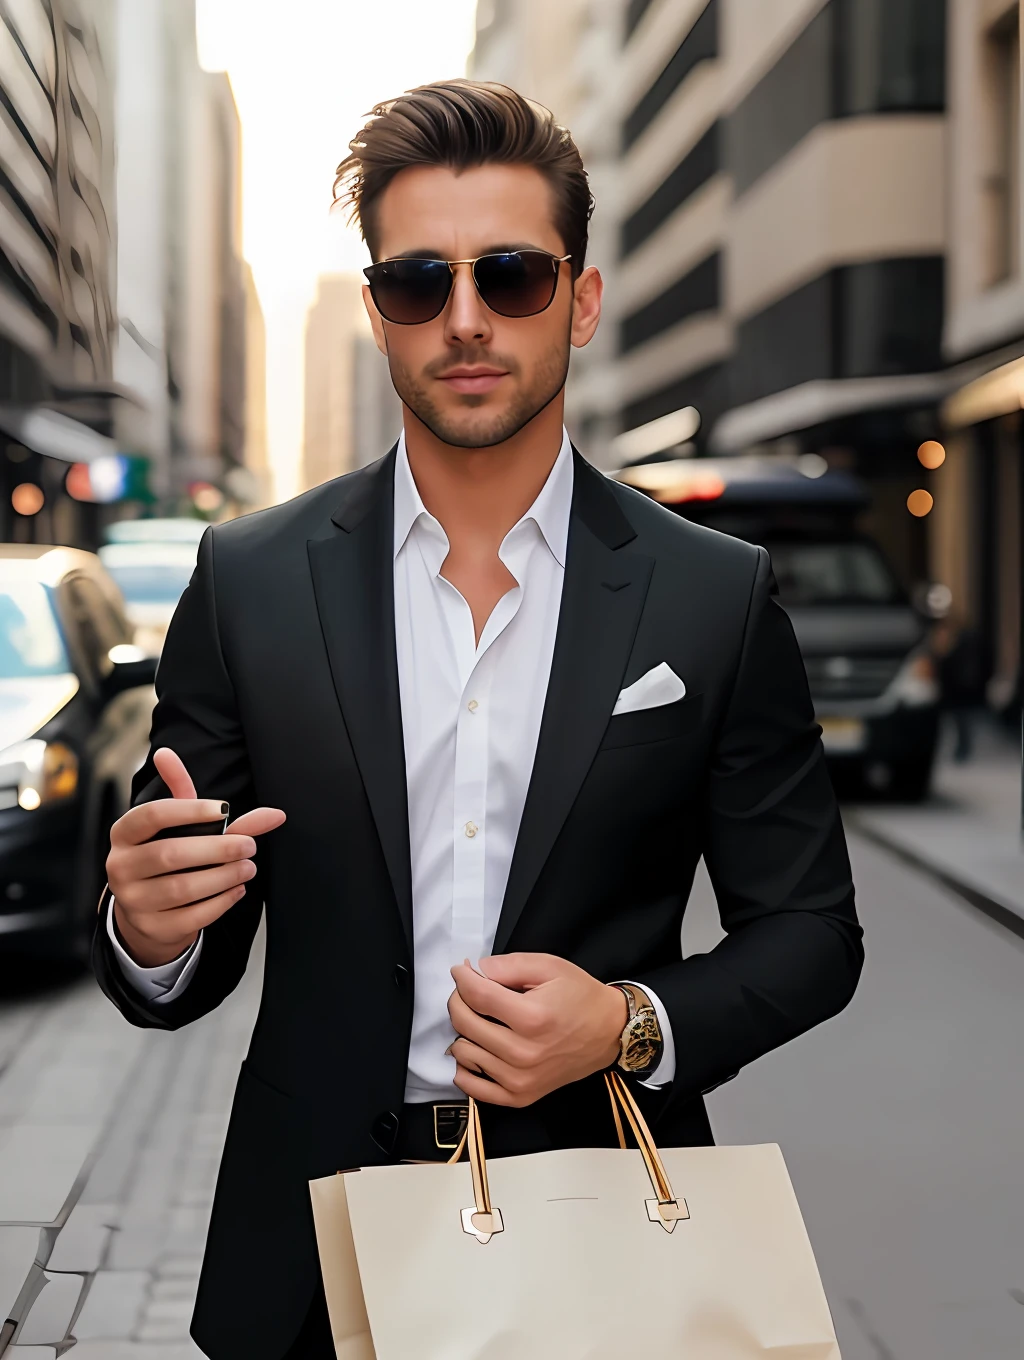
[680, 719]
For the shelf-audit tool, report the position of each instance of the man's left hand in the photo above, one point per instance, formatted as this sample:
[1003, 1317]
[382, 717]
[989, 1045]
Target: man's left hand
[532, 1023]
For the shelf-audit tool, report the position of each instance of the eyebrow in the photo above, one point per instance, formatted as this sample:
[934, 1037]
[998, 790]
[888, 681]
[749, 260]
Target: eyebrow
[427, 253]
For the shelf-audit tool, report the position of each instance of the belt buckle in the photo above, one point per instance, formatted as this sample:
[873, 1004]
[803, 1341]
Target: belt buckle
[449, 1125]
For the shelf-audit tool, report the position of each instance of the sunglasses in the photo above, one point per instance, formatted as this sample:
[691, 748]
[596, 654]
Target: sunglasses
[514, 283]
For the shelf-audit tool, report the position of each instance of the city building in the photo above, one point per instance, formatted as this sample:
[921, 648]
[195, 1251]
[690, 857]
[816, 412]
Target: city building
[333, 325]
[57, 258]
[979, 488]
[122, 303]
[257, 458]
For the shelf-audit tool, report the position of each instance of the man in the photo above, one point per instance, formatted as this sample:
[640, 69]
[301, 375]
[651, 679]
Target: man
[506, 705]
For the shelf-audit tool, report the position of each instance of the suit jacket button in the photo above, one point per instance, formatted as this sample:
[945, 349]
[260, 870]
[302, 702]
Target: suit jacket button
[385, 1131]
[401, 976]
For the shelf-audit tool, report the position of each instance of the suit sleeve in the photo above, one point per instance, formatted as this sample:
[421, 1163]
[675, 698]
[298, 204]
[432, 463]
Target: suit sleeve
[776, 853]
[197, 717]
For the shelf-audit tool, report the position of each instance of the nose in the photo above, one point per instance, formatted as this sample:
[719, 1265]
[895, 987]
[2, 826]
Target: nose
[467, 319]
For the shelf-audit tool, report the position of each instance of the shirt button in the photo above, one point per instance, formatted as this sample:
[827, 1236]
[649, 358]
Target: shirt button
[472, 705]
[471, 829]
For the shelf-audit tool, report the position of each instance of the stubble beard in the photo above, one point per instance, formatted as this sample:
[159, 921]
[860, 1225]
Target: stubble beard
[457, 428]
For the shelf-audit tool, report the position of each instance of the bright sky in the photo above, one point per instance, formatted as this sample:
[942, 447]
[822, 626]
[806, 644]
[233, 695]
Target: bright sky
[304, 73]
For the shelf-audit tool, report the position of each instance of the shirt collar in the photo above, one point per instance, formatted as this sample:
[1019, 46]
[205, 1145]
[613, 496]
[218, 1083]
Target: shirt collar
[550, 511]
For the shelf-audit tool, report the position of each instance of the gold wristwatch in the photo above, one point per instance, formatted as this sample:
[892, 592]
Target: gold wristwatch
[641, 1043]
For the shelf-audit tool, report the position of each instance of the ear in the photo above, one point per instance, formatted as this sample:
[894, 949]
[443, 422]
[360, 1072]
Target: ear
[376, 321]
[586, 307]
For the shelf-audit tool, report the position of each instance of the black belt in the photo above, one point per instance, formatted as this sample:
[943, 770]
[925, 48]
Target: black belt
[431, 1132]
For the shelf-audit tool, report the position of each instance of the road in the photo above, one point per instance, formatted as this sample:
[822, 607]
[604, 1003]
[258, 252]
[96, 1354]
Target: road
[902, 1122]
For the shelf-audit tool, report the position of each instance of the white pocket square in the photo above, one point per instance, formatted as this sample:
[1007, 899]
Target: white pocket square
[658, 687]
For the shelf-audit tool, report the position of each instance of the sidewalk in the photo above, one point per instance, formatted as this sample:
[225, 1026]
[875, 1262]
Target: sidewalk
[110, 1139]
[969, 831]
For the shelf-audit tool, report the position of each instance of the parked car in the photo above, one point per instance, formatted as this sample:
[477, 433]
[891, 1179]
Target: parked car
[76, 698]
[864, 643]
[152, 561]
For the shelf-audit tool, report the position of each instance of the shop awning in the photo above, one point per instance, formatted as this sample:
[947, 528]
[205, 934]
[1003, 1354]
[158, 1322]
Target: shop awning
[55, 435]
[998, 393]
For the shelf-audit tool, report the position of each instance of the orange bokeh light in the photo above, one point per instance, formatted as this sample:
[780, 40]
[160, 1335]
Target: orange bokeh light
[920, 503]
[27, 498]
[931, 454]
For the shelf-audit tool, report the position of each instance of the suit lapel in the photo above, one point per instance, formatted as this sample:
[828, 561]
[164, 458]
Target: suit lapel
[603, 596]
[352, 565]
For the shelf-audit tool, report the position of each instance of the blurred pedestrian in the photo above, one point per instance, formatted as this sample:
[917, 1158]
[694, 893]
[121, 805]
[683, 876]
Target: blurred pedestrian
[963, 672]
[507, 705]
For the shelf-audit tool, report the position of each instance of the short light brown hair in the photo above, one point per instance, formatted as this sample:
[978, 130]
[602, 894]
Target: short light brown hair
[464, 123]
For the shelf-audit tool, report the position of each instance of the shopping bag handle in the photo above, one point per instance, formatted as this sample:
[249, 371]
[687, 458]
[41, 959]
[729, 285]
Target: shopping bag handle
[484, 1219]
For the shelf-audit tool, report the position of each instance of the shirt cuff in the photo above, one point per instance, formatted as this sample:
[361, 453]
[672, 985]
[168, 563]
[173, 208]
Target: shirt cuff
[665, 1071]
[166, 981]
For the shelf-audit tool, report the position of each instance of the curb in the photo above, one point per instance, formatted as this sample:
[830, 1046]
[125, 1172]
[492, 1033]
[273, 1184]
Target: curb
[974, 896]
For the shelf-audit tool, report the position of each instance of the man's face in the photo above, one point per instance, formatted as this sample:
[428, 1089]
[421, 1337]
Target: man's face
[472, 377]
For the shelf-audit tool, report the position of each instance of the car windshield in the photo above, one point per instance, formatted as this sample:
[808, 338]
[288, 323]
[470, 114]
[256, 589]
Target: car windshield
[30, 638]
[832, 573]
[148, 583]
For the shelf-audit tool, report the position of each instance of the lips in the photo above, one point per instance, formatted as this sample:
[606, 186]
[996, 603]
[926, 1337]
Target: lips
[473, 380]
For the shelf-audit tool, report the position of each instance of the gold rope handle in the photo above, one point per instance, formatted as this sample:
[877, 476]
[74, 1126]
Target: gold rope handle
[483, 1220]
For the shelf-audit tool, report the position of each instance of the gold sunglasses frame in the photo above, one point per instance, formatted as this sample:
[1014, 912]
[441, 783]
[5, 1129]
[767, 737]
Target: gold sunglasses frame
[452, 265]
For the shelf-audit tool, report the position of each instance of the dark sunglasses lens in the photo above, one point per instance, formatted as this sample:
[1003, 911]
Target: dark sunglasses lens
[518, 283]
[409, 292]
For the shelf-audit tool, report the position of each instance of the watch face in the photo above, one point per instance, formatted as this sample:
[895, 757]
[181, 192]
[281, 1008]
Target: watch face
[642, 1042]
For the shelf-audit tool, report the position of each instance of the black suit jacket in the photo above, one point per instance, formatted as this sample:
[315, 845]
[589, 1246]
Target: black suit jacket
[278, 685]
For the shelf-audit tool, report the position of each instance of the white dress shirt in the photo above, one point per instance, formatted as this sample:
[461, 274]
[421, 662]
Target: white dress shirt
[471, 716]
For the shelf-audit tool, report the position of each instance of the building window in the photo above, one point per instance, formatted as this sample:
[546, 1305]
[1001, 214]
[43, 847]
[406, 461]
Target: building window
[855, 57]
[700, 44]
[890, 56]
[1001, 184]
[695, 169]
[866, 320]
[697, 291]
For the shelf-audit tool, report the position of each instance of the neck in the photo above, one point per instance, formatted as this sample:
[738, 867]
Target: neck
[479, 494]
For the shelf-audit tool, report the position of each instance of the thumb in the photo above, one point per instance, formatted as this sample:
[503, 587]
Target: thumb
[522, 971]
[170, 768]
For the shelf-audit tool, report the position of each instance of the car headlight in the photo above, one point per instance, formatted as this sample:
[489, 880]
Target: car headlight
[35, 773]
[916, 684]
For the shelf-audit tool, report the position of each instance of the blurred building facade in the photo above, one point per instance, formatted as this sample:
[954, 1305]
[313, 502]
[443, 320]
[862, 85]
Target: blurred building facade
[979, 489]
[122, 304]
[257, 454]
[809, 220]
[333, 324]
[58, 318]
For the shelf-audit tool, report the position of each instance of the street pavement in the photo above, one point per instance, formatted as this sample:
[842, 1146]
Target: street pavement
[902, 1122]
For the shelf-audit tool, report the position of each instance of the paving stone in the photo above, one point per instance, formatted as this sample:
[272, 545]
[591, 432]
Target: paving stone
[52, 1310]
[83, 1239]
[18, 1249]
[41, 1164]
[113, 1305]
[135, 1350]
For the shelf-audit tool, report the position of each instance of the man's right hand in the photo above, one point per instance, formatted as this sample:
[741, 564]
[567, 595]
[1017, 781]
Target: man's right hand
[162, 897]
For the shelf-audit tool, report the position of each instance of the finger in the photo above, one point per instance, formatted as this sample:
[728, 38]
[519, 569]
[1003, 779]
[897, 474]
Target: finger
[168, 926]
[143, 822]
[487, 997]
[257, 822]
[503, 1042]
[171, 769]
[486, 1092]
[181, 853]
[476, 1059]
[171, 891]
[520, 972]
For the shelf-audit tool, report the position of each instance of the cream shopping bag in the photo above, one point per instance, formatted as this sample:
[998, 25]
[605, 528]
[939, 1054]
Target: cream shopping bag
[586, 1254]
